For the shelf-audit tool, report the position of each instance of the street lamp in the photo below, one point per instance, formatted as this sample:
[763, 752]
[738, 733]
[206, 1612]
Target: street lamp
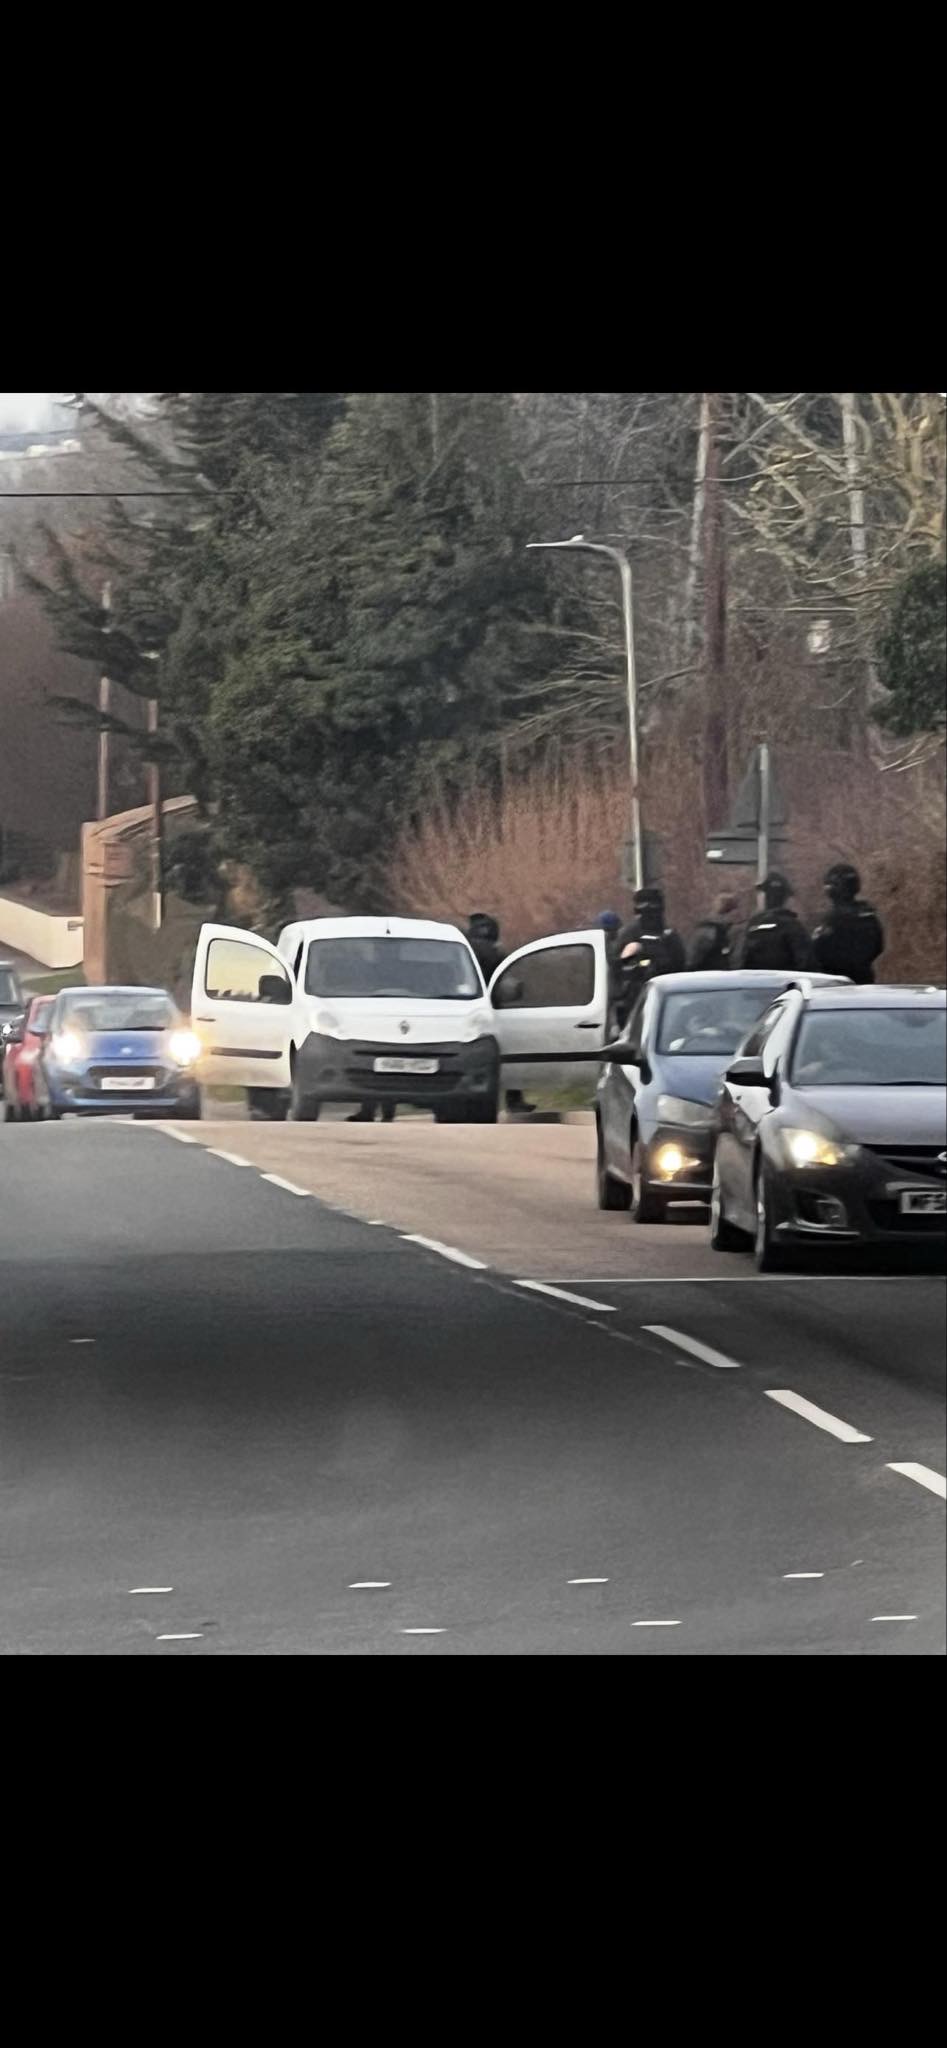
[617, 555]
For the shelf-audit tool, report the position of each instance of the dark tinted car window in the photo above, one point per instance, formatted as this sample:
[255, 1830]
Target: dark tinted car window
[714, 1022]
[9, 986]
[873, 1047]
[558, 976]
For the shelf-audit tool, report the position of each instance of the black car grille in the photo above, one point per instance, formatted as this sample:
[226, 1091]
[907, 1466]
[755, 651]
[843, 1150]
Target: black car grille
[911, 1159]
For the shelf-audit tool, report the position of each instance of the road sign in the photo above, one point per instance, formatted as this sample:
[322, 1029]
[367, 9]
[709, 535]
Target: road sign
[738, 849]
[746, 809]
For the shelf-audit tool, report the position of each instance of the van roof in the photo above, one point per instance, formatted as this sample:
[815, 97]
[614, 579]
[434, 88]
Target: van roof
[374, 928]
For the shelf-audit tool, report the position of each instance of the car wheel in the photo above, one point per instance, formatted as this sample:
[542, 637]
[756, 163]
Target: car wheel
[646, 1205]
[769, 1257]
[484, 1112]
[724, 1235]
[610, 1193]
[303, 1109]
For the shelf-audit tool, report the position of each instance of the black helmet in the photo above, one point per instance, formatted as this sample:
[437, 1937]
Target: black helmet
[776, 890]
[842, 882]
[650, 898]
[483, 927]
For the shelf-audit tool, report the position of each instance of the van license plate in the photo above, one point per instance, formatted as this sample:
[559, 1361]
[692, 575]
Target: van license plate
[393, 1066]
[129, 1081]
[921, 1202]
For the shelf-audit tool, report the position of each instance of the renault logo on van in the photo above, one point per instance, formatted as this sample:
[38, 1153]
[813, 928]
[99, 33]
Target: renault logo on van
[404, 1027]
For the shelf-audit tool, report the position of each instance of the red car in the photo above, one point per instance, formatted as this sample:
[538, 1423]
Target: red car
[19, 1062]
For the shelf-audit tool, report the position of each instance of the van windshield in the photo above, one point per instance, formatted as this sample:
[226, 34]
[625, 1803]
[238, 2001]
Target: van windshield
[439, 970]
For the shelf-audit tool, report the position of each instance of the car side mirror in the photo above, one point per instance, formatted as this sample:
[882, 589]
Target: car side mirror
[509, 992]
[748, 1073]
[274, 989]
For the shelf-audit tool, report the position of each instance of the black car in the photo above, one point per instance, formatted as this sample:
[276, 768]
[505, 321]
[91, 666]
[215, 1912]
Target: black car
[832, 1125]
[656, 1095]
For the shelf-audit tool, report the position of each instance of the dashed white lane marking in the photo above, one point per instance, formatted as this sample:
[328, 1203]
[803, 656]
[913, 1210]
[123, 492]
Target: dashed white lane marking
[924, 1476]
[447, 1251]
[151, 1589]
[562, 1294]
[424, 1631]
[655, 1624]
[586, 1582]
[368, 1585]
[376, 1223]
[82, 1340]
[183, 1137]
[289, 1186]
[232, 1158]
[194, 1635]
[803, 1575]
[691, 1344]
[894, 1617]
[820, 1416]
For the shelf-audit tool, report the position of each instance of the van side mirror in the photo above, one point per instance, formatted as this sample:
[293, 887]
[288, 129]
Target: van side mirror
[508, 993]
[274, 989]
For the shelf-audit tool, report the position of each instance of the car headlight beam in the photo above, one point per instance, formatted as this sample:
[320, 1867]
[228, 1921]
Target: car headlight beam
[184, 1047]
[814, 1148]
[66, 1046]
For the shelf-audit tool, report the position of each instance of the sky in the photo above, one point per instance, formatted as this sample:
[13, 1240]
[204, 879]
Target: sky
[22, 410]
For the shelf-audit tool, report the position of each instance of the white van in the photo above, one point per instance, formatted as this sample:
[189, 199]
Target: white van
[391, 1009]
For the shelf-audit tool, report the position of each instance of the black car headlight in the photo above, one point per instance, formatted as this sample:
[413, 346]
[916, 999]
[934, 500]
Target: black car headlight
[803, 1147]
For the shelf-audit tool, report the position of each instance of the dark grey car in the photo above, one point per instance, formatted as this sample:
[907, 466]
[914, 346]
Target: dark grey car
[655, 1107]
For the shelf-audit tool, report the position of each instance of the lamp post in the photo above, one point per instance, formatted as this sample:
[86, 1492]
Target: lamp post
[618, 556]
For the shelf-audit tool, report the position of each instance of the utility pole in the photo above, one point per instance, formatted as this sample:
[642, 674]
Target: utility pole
[619, 557]
[105, 697]
[762, 841]
[715, 766]
[697, 515]
[154, 799]
[856, 513]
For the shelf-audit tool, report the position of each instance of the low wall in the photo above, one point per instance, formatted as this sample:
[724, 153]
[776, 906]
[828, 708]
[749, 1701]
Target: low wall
[56, 941]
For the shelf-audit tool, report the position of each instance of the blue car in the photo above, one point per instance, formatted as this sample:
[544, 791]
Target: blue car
[124, 1051]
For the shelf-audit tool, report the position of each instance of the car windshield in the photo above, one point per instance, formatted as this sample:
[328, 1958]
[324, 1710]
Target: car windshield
[714, 1023]
[871, 1048]
[9, 986]
[441, 970]
[129, 1012]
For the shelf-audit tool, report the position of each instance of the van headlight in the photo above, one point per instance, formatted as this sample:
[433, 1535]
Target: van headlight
[184, 1047]
[813, 1148]
[676, 1109]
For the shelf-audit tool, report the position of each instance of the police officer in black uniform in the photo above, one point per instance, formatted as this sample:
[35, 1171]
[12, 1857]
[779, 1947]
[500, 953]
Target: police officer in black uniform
[645, 947]
[712, 944]
[775, 936]
[851, 935]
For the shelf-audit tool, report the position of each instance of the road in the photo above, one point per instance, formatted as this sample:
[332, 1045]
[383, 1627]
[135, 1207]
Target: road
[285, 1390]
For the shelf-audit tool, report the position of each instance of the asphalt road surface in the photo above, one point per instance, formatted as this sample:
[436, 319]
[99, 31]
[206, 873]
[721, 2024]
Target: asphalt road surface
[287, 1390]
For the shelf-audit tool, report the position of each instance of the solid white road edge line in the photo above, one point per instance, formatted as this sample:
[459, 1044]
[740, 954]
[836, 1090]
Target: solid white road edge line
[447, 1251]
[183, 1137]
[424, 1631]
[289, 1186]
[150, 1589]
[925, 1477]
[691, 1344]
[368, 1585]
[820, 1416]
[562, 1294]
